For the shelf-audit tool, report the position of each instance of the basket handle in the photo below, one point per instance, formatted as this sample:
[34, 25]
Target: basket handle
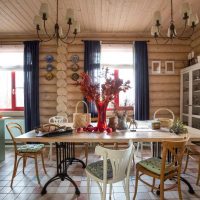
[170, 111]
[83, 103]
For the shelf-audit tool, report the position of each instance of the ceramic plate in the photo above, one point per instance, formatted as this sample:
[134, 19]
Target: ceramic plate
[49, 58]
[74, 67]
[49, 67]
[74, 58]
[75, 76]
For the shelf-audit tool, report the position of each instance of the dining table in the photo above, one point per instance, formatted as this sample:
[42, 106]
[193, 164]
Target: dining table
[65, 146]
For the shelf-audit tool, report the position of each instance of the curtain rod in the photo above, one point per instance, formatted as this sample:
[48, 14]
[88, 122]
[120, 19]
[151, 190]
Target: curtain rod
[120, 41]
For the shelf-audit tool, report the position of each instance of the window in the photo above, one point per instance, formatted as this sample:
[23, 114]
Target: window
[119, 59]
[11, 78]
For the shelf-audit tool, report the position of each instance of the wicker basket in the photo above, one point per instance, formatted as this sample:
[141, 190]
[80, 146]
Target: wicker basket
[165, 122]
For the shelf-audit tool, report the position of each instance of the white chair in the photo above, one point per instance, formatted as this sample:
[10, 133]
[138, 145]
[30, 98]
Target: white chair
[58, 120]
[114, 167]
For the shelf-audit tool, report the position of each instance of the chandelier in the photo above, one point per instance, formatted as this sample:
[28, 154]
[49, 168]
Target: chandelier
[72, 25]
[190, 20]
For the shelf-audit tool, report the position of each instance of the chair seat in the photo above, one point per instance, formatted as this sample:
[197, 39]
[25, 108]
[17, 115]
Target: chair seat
[28, 148]
[96, 169]
[154, 165]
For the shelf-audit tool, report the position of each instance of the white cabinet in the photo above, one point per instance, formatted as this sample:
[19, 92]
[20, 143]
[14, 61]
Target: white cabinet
[190, 96]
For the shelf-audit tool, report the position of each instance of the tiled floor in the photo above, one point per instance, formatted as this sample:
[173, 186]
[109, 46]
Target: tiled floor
[27, 188]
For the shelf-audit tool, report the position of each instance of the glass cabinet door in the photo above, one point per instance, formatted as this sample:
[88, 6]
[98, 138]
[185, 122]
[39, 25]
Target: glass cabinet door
[196, 92]
[185, 106]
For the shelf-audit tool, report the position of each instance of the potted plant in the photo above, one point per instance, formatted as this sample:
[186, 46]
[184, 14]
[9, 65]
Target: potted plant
[178, 127]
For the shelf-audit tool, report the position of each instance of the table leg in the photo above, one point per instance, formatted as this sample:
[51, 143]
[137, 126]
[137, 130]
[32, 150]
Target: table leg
[65, 156]
[157, 153]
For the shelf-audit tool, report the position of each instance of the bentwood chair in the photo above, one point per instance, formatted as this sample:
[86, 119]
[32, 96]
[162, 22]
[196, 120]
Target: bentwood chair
[114, 167]
[61, 120]
[193, 150]
[24, 151]
[162, 169]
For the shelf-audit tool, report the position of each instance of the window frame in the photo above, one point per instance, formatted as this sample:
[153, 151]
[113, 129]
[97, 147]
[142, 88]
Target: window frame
[13, 95]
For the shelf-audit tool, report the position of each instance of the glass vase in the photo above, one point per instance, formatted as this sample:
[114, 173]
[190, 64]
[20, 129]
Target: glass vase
[101, 109]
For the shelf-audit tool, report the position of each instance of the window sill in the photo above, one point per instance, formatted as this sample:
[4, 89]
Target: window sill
[12, 113]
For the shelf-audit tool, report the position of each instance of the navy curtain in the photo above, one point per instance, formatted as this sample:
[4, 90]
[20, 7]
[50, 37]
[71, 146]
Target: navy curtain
[31, 85]
[141, 81]
[92, 55]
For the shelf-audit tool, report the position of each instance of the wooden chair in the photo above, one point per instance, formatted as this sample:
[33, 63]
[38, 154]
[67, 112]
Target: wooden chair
[61, 120]
[193, 150]
[25, 151]
[114, 167]
[162, 169]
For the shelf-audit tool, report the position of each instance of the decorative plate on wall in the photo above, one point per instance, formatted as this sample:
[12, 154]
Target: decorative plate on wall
[49, 58]
[75, 76]
[49, 76]
[74, 67]
[49, 67]
[74, 58]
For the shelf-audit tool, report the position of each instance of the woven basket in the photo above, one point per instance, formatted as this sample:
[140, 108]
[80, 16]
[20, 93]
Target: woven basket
[165, 122]
[81, 119]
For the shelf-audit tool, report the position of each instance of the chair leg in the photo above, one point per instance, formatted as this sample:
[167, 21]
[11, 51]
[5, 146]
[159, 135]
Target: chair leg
[43, 163]
[127, 189]
[86, 153]
[24, 163]
[36, 169]
[88, 187]
[138, 146]
[161, 189]
[179, 186]
[153, 184]
[104, 191]
[198, 177]
[186, 163]
[136, 183]
[110, 195]
[141, 150]
[14, 170]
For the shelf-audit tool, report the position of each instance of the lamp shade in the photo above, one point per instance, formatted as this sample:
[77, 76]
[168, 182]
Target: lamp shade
[43, 9]
[154, 30]
[70, 14]
[37, 20]
[193, 19]
[185, 8]
[157, 17]
[77, 26]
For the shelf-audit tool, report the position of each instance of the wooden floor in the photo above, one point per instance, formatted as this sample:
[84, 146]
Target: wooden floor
[27, 188]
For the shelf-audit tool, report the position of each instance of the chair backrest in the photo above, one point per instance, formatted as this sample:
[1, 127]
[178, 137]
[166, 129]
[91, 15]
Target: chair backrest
[120, 161]
[59, 120]
[174, 149]
[14, 128]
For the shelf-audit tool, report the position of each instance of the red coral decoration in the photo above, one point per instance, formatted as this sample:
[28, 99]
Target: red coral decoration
[108, 91]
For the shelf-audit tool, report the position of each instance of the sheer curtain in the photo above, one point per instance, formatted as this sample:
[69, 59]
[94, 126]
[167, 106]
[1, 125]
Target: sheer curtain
[141, 81]
[31, 85]
[92, 55]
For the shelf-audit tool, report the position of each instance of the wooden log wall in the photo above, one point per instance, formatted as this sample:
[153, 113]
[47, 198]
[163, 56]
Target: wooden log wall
[164, 88]
[48, 88]
[195, 44]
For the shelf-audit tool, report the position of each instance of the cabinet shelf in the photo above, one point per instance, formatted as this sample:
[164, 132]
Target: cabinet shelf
[196, 91]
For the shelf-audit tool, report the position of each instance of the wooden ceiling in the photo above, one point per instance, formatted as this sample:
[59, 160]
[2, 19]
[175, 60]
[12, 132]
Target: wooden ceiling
[95, 16]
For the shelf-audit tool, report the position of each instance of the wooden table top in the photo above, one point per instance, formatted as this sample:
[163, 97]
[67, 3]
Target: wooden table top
[141, 135]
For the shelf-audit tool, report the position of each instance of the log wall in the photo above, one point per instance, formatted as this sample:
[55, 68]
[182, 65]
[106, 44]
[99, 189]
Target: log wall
[195, 44]
[164, 88]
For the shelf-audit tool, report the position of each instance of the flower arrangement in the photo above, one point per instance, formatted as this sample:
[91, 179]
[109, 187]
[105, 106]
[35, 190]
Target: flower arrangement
[108, 90]
[103, 94]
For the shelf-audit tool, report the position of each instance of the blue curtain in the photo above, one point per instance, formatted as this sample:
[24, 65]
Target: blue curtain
[141, 81]
[31, 85]
[92, 53]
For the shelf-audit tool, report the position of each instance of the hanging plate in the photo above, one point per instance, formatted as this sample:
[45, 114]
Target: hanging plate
[49, 58]
[74, 58]
[49, 76]
[74, 67]
[75, 76]
[49, 67]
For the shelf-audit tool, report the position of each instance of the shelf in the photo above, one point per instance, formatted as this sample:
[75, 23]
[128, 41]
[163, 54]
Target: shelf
[196, 91]
[195, 106]
[196, 80]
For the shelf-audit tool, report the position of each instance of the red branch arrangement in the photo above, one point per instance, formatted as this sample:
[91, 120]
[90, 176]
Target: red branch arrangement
[108, 90]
